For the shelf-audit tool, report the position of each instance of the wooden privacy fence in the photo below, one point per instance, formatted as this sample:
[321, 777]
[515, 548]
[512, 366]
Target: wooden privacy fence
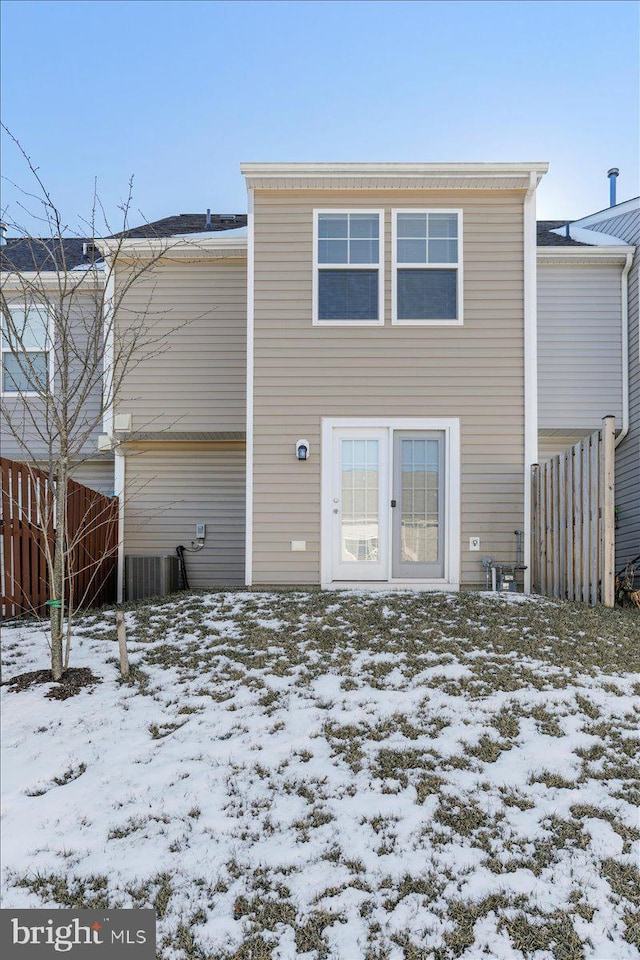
[27, 529]
[573, 521]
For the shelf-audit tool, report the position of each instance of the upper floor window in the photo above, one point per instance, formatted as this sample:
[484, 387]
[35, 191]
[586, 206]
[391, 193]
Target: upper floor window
[25, 367]
[347, 271]
[427, 267]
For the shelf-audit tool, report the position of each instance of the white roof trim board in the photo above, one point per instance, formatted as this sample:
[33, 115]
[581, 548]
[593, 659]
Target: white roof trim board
[189, 246]
[389, 176]
[610, 213]
[592, 237]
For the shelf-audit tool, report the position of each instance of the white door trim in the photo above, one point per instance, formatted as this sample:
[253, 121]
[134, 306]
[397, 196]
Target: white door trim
[451, 428]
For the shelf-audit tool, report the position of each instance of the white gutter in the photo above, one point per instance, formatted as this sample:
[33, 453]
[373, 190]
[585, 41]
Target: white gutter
[530, 364]
[624, 294]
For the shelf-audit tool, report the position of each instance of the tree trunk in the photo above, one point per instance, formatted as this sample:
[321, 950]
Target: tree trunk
[56, 589]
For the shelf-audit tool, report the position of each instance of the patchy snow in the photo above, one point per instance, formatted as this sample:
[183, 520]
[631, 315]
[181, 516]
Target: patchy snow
[284, 769]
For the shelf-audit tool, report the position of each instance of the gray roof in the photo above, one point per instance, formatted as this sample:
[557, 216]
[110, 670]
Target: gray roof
[52, 253]
[548, 239]
[41, 254]
[183, 223]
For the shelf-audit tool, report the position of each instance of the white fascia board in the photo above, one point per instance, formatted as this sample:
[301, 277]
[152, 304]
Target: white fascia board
[389, 169]
[176, 247]
[609, 213]
[574, 255]
[435, 176]
[51, 278]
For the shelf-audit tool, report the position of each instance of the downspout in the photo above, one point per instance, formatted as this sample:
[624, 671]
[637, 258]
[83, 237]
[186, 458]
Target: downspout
[530, 365]
[624, 294]
[108, 355]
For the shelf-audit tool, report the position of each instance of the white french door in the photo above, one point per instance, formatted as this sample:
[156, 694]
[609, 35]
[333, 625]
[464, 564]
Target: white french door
[359, 515]
[384, 499]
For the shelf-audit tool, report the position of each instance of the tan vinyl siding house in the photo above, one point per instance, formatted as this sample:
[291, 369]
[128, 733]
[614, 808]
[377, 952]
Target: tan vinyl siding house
[183, 460]
[173, 486]
[303, 374]
[196, 382]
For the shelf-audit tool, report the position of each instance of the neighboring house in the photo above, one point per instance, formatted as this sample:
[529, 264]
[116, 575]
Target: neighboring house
[359, 375]
[33, 270]
[588, 346]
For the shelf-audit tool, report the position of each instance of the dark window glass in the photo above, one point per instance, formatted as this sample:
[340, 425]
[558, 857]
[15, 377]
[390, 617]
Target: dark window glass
[348, 295]
[427, 295]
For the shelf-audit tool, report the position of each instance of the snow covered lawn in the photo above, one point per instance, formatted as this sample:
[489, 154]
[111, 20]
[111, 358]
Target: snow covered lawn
[309, 775]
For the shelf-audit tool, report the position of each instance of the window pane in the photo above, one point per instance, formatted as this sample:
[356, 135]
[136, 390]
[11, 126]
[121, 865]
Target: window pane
[427, 294]
[360, 514]
[333, 224]
[443, 225]
[443, 251]
[332, 251]
[412, 224]
[364, 225]
[27, 329]
[363, 251]
[412, 251]
[418, 524]
[348, 295]
[15, 380]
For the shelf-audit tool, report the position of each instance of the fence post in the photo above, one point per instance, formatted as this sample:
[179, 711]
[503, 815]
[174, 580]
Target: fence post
[607, 488]
[535, 538]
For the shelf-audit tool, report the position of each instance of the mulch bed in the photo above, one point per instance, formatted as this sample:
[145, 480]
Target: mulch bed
[71, 683]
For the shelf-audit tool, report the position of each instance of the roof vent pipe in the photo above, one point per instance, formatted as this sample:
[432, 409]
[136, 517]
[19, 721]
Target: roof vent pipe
[567, 230]
[208, 225]
[613, 175]
[3, 234]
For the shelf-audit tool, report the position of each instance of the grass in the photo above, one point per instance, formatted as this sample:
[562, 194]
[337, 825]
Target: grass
[436, 701]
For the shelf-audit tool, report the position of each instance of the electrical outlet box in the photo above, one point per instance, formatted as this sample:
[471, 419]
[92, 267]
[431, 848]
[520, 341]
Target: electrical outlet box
[201, 531]
[474, 543]
[298, 544]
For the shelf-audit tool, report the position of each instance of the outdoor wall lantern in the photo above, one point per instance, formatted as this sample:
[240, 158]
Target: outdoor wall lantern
[302, 449]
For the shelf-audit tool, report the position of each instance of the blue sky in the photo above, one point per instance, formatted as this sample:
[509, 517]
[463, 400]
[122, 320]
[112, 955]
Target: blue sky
[178, 94]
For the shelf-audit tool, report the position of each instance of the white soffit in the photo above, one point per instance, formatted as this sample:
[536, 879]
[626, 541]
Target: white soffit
[392, 176]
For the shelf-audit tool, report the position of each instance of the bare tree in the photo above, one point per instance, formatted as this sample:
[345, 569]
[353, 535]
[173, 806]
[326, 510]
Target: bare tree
[71, 340]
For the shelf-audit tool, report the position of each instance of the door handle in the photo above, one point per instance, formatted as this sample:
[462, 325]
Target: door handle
[393, 503]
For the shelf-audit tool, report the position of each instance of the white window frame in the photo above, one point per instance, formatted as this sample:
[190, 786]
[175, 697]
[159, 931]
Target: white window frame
[395, 266]
[4, 348]
[353, 324]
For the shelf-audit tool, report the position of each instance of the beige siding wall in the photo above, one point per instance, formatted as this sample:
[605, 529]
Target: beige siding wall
[170, 488]
[579, 345]
[199, 382]
[303, 373]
